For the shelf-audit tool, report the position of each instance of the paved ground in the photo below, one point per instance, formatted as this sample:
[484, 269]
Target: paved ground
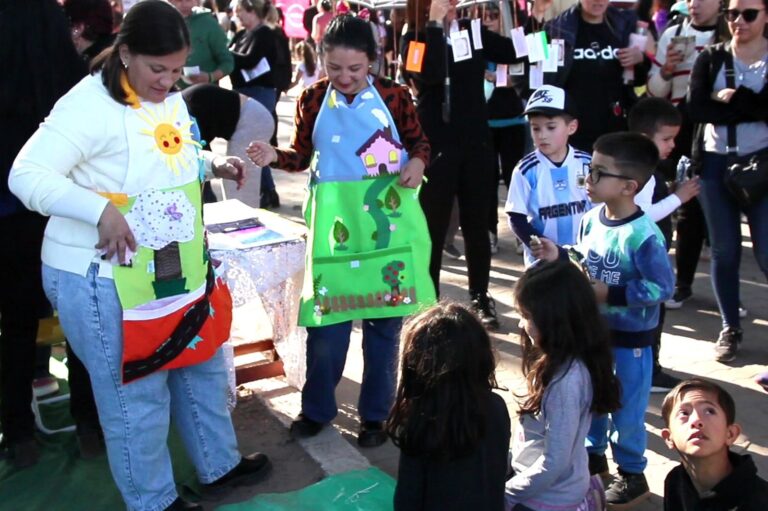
[686, 349]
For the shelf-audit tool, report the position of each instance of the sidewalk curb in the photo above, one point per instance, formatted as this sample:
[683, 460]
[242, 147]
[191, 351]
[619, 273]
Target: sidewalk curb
[329, 449]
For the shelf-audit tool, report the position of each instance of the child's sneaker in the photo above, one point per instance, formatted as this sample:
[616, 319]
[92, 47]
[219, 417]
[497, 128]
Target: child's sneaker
[626, 491]
[762, 380]
[681, 295]
[451, 251]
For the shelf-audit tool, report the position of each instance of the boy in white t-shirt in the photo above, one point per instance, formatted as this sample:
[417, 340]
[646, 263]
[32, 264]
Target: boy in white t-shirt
[547, 196]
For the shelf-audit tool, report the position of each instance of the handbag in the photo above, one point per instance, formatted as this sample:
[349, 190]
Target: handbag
[746, 176]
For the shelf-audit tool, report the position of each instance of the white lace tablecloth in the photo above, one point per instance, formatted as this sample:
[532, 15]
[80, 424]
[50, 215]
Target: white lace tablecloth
[265, 283]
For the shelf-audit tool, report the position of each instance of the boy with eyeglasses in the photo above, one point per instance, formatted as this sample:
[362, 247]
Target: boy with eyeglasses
[626, 258]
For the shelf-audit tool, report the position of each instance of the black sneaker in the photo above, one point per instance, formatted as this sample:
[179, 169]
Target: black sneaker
[598, 465]
[727, 344]
[451, 251]
[251, 469]
[183, 505]
[304, 427]
[371, 434]
[626, 491]
[485, 308]
[681, 295]
[663, 382]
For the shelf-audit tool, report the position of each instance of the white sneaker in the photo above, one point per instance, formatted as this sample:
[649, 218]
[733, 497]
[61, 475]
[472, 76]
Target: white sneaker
[45, 386]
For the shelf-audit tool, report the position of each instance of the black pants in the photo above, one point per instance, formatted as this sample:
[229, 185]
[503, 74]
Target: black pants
[465, 171]
[22, 304]
[691, 233]
[509, 148]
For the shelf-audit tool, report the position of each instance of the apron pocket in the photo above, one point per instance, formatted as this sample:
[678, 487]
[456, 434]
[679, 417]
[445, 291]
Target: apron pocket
[365, 280]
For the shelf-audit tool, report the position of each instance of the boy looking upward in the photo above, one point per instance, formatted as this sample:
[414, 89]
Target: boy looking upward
[626, 258]
[700, 420]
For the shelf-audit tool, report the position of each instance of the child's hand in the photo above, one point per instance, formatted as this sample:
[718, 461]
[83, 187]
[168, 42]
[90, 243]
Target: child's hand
[412, 174]
[601, 290]
[229, 167]
[261, 153]
[687, 190]
[545, 249]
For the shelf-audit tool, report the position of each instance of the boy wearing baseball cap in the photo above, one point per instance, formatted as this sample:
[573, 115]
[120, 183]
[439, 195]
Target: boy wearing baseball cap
[547, 196]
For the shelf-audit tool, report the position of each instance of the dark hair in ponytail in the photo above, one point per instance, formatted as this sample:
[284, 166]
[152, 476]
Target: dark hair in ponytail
[151, 27]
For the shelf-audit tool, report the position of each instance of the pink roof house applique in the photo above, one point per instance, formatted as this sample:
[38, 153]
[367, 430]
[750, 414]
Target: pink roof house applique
[381, 154]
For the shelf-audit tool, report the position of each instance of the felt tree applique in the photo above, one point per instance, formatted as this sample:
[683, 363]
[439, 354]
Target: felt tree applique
[392, 201]
[340, 234]
[392, 275]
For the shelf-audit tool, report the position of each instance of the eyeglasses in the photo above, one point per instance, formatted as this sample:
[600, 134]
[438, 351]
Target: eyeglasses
[748, 15]
[596, 174]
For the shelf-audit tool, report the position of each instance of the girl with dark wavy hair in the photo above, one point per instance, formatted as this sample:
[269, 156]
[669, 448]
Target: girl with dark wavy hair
[568, 368]
[452, 430]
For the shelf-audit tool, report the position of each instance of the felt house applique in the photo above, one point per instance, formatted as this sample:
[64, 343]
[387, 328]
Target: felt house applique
[381, 153]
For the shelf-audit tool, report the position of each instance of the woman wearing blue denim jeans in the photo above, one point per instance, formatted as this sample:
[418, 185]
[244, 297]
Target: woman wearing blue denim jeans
[716, 106]
[117, 168]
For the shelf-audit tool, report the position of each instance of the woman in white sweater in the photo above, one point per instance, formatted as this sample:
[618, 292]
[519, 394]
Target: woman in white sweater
[117, 167]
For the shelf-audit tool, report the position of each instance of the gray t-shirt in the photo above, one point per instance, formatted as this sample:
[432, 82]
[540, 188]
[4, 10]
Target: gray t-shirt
[548, 453]
[750, 136]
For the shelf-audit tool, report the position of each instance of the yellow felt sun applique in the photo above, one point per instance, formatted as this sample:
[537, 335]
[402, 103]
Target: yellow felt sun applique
[173, 138]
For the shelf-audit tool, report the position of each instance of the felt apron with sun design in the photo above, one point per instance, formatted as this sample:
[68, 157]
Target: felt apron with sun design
[369, 246]
[176, 312]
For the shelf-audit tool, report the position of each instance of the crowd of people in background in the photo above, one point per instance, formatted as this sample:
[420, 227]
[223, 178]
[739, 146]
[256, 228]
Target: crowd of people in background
[604, 121]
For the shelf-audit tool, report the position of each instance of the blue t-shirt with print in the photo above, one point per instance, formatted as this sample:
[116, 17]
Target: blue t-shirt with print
[629, 255]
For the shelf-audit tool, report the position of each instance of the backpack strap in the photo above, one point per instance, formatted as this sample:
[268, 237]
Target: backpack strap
[730, 82]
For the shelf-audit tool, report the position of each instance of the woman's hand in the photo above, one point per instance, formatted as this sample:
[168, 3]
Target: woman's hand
[630, 57]
[261, 153]
[115, 236]
[723, 95]
[412, 174]
[540, 8]
[438, 10]
[229, 167]
[674, 58]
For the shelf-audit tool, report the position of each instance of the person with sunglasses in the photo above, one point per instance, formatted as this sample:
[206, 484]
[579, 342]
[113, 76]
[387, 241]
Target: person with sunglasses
[715, 106]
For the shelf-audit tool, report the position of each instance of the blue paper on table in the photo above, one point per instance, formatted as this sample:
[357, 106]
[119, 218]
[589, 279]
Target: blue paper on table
[360, 490]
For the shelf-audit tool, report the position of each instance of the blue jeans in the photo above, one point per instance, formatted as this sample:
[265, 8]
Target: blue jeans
[326, 354]
[627, 436]
[723, 217]
[267, 96]
[135, 417]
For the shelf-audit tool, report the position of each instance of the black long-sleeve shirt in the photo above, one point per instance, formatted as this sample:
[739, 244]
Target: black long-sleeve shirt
[468, 112]
[249, 47]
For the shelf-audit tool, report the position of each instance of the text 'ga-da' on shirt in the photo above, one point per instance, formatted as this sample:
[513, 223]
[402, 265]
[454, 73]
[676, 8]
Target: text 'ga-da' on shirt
[629, 255]
[553, 197]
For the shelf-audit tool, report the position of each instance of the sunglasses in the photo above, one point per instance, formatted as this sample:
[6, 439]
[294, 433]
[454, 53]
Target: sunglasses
[596, 174]
[748, 15]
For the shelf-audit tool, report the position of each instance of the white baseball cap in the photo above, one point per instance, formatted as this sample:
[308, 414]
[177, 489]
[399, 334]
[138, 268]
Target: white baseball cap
[549, 100]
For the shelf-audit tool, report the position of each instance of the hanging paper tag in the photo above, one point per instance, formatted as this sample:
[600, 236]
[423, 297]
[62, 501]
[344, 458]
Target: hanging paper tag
[559, 45]
[460, 45]
[518, 40]
[477, 37]
[415, 57]
[453, 27]
[517, 69]
[501, 75]
[537, 46]
[536, 76]
[550, 63]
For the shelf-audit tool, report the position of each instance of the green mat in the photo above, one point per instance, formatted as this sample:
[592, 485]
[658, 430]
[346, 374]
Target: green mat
[62, 481]
[361, 490]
